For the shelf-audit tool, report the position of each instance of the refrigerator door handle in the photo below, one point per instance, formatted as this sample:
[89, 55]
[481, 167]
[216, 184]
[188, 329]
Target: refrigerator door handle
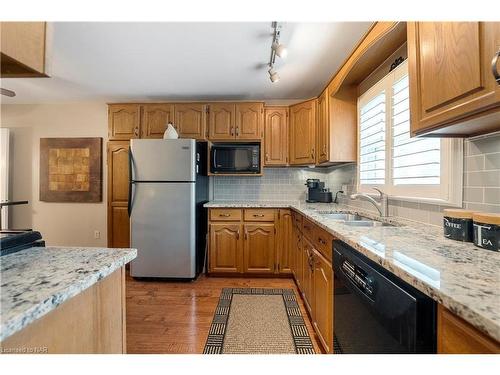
[130, 183]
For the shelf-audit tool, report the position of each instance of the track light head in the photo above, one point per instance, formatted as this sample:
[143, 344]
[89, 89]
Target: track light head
[273, 75]
[279, 49]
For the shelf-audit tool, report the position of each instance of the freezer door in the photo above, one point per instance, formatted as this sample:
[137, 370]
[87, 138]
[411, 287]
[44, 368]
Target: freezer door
[163, 230]
[163, 159]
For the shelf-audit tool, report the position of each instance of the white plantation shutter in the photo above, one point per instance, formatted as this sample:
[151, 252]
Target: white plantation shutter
[389, 159]
[415, 161]
[372, 140]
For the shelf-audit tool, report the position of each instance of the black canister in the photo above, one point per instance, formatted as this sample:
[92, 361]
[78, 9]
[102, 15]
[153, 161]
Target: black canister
[487, 231]
[457, 225]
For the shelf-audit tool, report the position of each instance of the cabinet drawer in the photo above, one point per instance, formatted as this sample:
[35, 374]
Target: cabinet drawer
[308, 228]
[225, 214]
[259, 214]
[297, 221]
[323, 242]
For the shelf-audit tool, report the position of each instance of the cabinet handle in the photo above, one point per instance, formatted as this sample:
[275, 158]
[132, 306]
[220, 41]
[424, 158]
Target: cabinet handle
[237, 131]
[238, 234]
[246, 235]
[312, 153]
[494, 69]
[320, 240]
[136, 131]
[267, 156]
[224, 215]
[258, 215]
[232, 131]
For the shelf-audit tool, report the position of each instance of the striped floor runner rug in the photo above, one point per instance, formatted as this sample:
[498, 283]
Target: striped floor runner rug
[258, 321]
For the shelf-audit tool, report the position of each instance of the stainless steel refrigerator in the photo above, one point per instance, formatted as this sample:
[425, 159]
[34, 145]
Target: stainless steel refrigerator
[168, 187]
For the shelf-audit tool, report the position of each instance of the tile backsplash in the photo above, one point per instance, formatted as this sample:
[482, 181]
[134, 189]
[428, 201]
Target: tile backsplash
[481, 184]
[279, 184]
[482, 174]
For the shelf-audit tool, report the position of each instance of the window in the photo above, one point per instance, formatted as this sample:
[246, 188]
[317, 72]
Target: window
[389, 159]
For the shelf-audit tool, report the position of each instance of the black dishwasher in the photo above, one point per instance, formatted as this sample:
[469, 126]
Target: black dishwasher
[376, 312]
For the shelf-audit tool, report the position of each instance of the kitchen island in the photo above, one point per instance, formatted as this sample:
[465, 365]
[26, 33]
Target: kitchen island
[63, 300]
[462, 278]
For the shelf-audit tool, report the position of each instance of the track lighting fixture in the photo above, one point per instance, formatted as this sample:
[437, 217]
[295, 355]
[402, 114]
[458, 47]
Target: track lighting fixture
[273, 75]
[277, 49]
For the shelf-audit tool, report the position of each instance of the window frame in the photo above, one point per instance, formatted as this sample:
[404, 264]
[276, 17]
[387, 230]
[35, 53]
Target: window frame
[448, 192]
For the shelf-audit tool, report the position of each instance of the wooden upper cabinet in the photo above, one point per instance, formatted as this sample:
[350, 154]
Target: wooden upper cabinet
[249, 118]
[155, 118]
[221, 121]
[450, 76]
[23, 49]
[286, 238]
[323, 130]
[124, 121]
[259, 248]
[323, 301]
[303, 133]
[276, 136]
[225, 248]
[118, 185]
[191, 120]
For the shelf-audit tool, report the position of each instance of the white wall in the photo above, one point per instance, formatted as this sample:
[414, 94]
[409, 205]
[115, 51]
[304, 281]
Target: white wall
[68, 224]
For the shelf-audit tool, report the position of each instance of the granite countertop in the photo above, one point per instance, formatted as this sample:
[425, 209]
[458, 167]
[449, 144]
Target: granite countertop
[462, 277]
[37, 280]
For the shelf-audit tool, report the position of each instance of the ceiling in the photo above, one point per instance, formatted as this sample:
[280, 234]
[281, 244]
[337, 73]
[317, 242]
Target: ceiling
[127, 61]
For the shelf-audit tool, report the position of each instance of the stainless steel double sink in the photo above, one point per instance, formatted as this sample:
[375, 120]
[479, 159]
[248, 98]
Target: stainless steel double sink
[354, 220]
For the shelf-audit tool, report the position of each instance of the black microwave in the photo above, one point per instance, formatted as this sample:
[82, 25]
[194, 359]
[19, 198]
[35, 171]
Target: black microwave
[229, 158]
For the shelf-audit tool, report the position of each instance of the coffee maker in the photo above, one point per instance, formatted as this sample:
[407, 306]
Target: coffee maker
[316, 191]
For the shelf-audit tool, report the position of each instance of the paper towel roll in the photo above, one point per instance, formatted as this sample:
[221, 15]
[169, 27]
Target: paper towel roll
[170, 132]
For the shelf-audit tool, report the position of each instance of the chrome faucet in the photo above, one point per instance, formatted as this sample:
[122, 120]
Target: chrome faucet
[382, 205]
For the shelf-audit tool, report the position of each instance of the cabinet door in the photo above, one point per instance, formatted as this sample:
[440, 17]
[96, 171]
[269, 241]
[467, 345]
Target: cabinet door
[307, 275]
[323, 134]
[456, 336]
[221, 121]
[191, 120]
[118, 184]
[124, 121]
[155, 118]
[285, 242]
[302, 133]
[258, 250]
[225, 248]
[276, 136]
[323, 301]
[249, 118]
[450, 71]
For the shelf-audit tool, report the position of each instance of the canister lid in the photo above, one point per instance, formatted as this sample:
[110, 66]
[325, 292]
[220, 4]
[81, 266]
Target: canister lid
[458, 213]
[486, 218]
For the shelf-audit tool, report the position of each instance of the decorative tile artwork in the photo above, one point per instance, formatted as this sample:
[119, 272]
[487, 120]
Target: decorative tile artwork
[71, 169]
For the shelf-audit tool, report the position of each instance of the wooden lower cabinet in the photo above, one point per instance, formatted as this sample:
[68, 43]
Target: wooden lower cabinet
[226, 254]
[92, 322]
[456, 336]
[313, 274]
[259, 248]
[297, 256]
[247, 241]
[323, 300]
[285, 242]
[307, 275]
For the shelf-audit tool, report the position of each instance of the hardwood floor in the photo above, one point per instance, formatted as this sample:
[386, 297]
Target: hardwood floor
[174, 317]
